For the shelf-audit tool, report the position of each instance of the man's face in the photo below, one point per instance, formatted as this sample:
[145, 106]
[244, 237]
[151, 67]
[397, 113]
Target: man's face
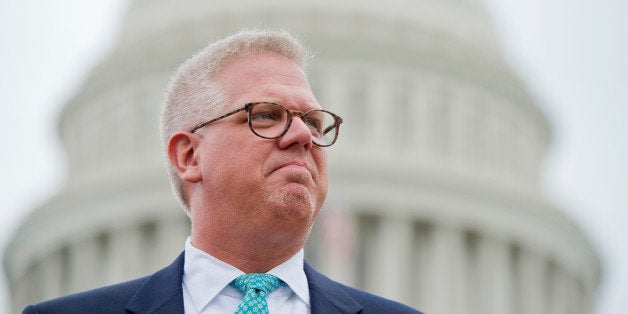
[276, 186]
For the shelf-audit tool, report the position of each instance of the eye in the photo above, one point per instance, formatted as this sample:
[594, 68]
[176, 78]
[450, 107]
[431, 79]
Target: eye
[314, 124]
[315, 121]
[267, 115]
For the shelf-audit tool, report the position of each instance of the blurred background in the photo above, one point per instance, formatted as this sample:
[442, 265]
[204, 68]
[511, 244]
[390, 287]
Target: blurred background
[515, 162]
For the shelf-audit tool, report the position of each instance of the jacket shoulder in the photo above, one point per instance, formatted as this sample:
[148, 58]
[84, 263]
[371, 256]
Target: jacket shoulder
[109, 299]
[329, 296]
[160, 291]
[376, 304]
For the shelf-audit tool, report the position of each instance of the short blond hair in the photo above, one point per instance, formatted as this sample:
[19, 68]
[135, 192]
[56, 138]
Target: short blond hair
[193, 94]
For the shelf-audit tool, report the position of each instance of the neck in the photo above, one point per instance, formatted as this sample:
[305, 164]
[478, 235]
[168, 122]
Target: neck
[249, 254]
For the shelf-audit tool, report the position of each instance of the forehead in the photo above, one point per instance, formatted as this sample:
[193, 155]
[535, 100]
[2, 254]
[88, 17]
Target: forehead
[266, 77]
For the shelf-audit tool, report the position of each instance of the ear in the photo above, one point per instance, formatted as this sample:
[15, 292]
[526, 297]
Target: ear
[183, 154]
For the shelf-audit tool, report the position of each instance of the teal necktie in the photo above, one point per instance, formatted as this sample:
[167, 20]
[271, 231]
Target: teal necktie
[255, 288]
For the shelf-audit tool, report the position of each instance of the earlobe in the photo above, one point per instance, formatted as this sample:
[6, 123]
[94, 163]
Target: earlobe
[183, 154]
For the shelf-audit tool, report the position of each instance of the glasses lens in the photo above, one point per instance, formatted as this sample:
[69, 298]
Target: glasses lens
[268, 120]
[323, 126]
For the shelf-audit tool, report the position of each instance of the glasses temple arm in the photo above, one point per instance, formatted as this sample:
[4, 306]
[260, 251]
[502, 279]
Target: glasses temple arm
[216, 119]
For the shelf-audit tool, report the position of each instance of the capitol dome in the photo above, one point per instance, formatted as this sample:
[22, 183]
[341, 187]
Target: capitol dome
[435, 196]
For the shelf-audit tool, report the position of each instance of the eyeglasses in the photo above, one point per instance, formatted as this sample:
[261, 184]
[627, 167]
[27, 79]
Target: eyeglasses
[269, 120]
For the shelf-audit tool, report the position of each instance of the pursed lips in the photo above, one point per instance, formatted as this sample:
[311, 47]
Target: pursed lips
[295, 164]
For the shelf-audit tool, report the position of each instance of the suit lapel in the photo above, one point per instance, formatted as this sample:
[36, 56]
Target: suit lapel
[328, 296]
[161, 292]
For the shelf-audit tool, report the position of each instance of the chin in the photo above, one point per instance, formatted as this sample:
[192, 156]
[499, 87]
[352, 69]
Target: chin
[293, 203]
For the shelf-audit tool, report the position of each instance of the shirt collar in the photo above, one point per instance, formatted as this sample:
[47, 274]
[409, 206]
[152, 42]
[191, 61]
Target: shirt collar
[292, 273]
[205, 276]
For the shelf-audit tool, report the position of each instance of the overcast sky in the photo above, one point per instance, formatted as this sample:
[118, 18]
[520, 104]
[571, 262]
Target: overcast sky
[570, 53]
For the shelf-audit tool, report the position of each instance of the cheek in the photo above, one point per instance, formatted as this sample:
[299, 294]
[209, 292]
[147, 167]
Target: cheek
[229, 147]
[220, 159]
[241, 160]
[320, 158]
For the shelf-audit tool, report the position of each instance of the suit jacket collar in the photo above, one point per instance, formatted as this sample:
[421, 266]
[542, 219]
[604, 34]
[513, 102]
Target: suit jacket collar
[162, 292]
[328, 296]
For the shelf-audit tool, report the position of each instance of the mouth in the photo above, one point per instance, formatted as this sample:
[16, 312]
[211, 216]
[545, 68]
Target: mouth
[294, 169]
[291, 166]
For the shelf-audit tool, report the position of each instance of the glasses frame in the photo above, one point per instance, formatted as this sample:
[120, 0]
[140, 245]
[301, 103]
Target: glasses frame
[291, 113]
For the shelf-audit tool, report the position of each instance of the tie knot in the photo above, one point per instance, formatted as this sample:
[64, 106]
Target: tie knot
[264, 282]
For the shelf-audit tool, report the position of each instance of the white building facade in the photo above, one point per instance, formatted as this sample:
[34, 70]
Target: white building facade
[435, 196]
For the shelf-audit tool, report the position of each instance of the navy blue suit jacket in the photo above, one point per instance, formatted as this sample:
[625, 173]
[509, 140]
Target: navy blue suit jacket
[162, 293]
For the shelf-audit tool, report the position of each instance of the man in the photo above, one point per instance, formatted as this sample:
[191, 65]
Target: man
[246, 140]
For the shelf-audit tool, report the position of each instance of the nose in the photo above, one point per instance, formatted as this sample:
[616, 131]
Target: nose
[298, 134]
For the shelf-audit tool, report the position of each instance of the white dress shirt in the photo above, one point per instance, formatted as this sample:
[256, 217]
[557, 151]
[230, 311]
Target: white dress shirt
[206, 286]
